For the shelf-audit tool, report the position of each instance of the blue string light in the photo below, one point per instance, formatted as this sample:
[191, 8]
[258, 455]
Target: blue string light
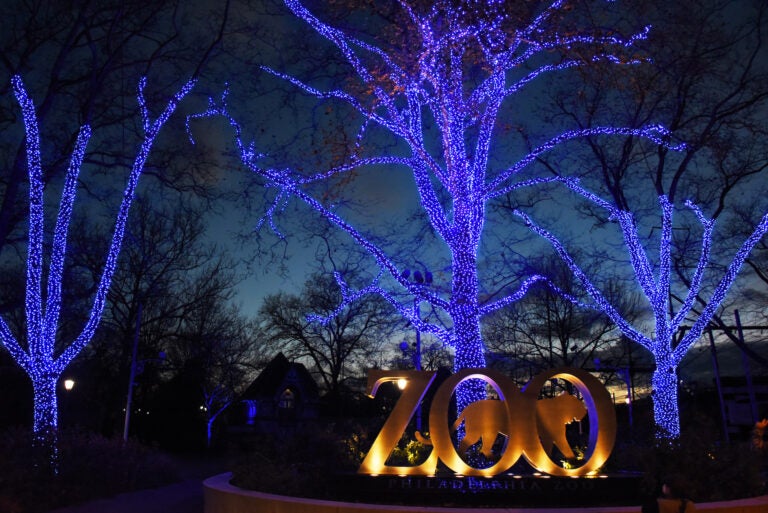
[455, 182]
[39, 360]
[657, 289]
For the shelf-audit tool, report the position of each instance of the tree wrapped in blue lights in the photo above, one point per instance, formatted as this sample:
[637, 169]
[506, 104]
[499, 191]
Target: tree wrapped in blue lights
[443, 103]
[45, 358]
[654, 276]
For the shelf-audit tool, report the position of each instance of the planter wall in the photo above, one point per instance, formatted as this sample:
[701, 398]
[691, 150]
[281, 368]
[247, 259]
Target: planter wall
[222, 497]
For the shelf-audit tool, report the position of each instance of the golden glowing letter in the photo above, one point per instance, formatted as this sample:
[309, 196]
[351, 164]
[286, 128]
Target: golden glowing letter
[485, 421]
[602, 422]
[417, 383]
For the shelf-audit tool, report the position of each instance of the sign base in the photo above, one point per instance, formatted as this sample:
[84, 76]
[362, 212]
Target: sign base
[503, 490]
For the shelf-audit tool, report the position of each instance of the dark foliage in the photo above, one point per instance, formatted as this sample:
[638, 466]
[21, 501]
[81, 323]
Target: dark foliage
[90, 466]
[314, 464]
[709, 470]
[305, 464]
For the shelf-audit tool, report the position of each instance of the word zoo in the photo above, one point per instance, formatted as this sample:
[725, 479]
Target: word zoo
[531, 425]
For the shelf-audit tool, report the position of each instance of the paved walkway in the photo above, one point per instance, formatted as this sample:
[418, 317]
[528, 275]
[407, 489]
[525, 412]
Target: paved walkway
[183, 497]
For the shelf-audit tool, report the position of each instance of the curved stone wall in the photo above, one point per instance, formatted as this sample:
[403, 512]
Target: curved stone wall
[222, 497]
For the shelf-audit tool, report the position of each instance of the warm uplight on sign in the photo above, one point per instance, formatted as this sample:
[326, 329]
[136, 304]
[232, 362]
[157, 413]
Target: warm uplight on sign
[531, 425]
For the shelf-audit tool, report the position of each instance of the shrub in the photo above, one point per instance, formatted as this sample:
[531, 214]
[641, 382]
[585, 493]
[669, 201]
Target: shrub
[308, 464]
[712, 470]
[90, 466]
[302, 464]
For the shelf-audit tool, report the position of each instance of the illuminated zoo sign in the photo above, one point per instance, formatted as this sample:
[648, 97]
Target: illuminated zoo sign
[531, 425]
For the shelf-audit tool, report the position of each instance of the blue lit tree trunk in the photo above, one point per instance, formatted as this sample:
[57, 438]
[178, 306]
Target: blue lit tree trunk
[45, 421]
[215, 400]
[664, 395]
[44, 389]
[39, 359]
[442, 98]
[708, 82]
[464, 308]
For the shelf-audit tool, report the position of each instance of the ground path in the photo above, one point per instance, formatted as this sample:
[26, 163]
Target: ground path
[184, 496]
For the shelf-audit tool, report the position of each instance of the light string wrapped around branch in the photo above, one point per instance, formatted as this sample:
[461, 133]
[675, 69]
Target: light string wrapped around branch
[670, 341]
[446, 118]
[39, 360]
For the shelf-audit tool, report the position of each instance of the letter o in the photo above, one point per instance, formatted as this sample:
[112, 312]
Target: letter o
[440, 432]
[602, 422]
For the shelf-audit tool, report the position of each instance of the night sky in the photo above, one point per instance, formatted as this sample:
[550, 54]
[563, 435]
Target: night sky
[293, 129]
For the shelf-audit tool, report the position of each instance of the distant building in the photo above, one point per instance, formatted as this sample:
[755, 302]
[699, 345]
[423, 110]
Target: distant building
[281, 398]
[744, 407]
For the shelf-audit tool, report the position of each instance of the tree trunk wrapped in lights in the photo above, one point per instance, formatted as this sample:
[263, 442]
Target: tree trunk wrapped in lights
[442, 98]
[670, 341]
[39, 359]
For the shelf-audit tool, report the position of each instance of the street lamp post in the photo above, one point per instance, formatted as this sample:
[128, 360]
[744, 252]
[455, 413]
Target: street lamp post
[420, 279]
[69, 384]
[136, 369]
[424, 279]
[626, 375]
[132, 376]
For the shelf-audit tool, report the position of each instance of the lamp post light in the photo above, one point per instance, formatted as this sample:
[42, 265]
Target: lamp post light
[69, 384]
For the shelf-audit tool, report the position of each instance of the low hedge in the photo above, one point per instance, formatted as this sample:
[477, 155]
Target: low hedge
[90, 466]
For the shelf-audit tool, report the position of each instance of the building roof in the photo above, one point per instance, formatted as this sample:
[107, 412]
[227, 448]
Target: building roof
[279, 374]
